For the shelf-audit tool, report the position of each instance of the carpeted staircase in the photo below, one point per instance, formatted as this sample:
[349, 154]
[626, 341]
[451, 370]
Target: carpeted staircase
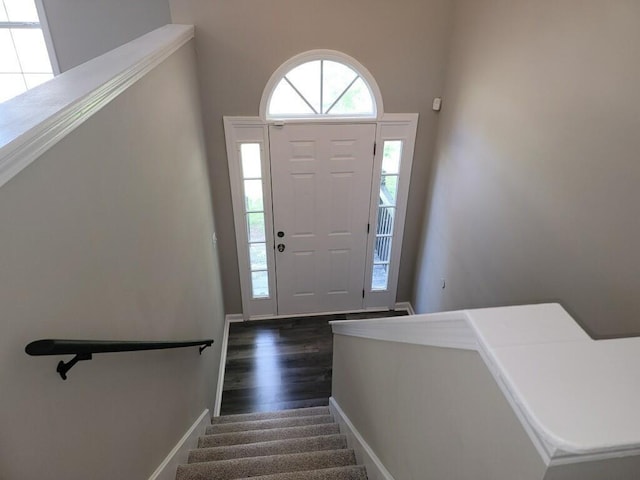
[301, 444]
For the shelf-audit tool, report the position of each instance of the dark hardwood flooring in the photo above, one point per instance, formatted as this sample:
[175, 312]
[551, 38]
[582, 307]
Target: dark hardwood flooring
[281, 364]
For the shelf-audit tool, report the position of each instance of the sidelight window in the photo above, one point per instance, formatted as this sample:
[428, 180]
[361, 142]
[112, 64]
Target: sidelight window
[255, 218]
[385, 223]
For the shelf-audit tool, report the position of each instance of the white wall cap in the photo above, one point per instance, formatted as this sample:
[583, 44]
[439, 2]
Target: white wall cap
[576, 397]
[581, 396]
[36, 120]
[447, 329]
[524, 325]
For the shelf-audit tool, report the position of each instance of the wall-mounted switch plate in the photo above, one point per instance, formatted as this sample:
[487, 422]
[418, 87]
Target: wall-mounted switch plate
[437, 104]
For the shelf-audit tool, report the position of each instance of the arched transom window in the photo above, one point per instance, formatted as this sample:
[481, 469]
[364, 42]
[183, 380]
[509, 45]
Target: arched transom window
[321, 84]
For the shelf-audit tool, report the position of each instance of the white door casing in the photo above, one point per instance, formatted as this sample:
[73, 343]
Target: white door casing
[240, 130]
[400, 127]
[321, 188]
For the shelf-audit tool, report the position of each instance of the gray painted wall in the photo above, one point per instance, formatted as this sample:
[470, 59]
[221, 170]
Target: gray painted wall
[431, 413]
[83, 29]
[108, 236]
[241, 43]
[618, 468]
[535, 183]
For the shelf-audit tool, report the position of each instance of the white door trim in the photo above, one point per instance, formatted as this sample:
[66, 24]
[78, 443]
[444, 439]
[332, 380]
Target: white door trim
[255, 130]
[401, 127]
[239, 130]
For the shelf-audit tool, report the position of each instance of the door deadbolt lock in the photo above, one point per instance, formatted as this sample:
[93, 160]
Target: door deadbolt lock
[281, 247]
[280, 234]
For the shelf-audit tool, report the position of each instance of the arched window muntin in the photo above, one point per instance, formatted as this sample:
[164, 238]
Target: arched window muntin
[322, 110]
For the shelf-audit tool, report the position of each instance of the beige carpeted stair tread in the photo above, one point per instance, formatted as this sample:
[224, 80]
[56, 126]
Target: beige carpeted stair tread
[253, 436]
[247, 417]
[354, 472]
[254, 466]
[275, 447]
[268, 423]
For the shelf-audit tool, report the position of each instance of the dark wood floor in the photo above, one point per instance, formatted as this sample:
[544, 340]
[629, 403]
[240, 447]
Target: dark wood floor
[280, 364]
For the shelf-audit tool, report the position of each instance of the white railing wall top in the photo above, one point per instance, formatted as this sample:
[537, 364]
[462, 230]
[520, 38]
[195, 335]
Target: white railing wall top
[576, 397]
[33, 122]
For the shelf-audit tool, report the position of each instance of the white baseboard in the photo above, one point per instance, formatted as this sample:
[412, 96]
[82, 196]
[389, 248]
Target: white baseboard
[179, 454]
[364, 454]
[405, 306]
[223, 361]
[233, 317]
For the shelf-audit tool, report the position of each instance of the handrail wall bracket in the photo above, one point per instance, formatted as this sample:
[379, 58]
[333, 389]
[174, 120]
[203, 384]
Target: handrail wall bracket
[63, 367]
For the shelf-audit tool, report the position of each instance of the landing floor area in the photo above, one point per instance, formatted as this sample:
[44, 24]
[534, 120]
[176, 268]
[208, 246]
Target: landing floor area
[281, 364]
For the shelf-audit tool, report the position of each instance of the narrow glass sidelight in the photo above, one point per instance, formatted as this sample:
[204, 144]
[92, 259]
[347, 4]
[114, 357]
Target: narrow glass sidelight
[250, 158]
[385, 222]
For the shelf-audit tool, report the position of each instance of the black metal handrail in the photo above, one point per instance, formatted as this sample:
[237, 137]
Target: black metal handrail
[84, 349]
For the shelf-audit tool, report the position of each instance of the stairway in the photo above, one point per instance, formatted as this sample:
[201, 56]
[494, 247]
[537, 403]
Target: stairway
[300, 444]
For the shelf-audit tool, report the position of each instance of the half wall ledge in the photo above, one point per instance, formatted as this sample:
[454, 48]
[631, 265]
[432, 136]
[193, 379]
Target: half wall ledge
[34, 121]
[575, 396]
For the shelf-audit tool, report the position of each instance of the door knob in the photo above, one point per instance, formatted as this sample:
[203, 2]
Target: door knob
[281, 247]
[280, 234]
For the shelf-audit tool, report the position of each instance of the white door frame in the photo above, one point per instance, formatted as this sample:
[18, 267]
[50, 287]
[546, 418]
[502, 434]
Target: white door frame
[390, 127]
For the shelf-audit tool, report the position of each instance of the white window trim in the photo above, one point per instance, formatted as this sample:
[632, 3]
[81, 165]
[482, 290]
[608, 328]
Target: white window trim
[310, 56]
[392, 127]
[48, 40]
[239, 130]
[255, 130]
[43, 25]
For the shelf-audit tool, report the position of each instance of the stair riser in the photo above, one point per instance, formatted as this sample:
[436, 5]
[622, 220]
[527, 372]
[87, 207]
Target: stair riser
[241, 438]
[278, 447]
[248, 417]
[266, 424]
[339, 473]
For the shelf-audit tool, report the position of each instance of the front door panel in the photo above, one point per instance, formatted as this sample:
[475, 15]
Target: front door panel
[321, 186]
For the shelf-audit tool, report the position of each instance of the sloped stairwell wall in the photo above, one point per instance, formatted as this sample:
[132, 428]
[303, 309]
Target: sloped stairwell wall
[108, 235]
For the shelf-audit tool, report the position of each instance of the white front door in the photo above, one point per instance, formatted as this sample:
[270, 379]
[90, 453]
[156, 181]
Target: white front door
[321, 189]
